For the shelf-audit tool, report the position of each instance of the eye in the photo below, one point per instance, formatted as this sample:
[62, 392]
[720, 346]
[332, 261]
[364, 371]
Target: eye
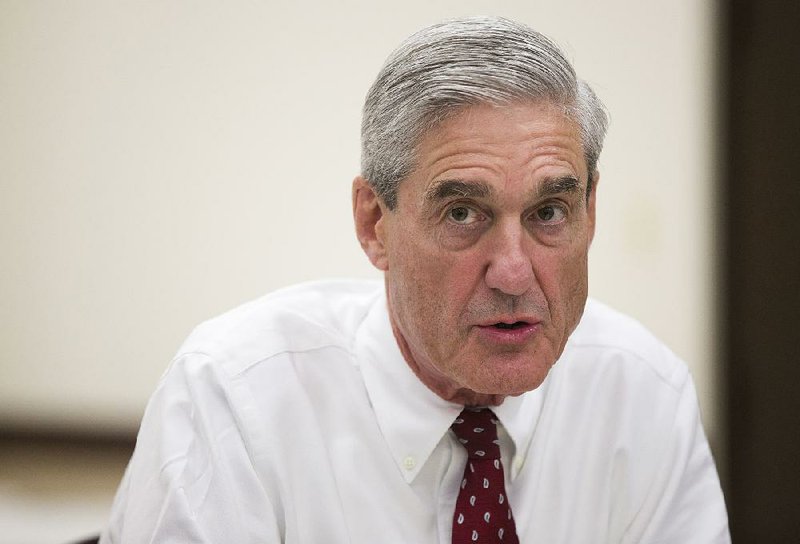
[550, 214]
[463, 215]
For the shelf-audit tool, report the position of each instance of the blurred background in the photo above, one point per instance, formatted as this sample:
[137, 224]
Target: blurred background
[162, 162]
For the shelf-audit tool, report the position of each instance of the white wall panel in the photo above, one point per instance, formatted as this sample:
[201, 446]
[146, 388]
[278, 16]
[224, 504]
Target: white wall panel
[161, 162]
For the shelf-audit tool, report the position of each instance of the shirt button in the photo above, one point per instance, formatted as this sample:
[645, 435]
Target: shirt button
[409, 463]
[518, 462]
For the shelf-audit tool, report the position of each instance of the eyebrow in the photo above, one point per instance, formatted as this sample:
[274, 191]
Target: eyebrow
[470, 189]
[561, 185]
[454, 187]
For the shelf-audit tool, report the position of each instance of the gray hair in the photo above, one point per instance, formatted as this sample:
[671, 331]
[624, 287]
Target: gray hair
[446, 67]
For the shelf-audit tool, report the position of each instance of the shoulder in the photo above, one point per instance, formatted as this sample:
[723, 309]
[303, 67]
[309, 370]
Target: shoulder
[301, 318]
[607, 338]
[619, 387]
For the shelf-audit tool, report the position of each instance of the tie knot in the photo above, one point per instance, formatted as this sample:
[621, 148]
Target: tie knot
[476, 429]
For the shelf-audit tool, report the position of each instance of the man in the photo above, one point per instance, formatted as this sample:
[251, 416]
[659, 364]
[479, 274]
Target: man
[475, 396]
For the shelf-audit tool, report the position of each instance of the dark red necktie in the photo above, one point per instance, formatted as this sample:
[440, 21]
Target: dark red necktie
[483, 513]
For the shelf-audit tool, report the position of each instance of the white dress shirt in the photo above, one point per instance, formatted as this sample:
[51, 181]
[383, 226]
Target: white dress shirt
[295, 419]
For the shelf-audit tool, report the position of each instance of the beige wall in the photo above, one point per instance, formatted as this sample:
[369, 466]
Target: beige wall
[161, 162]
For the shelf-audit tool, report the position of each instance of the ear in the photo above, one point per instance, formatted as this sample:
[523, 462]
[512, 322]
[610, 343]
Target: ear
[591, 205]
[369, 216]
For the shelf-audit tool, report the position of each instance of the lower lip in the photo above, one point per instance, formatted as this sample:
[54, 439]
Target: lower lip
[518, 335]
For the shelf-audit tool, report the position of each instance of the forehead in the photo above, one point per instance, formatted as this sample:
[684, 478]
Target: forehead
[521, 143]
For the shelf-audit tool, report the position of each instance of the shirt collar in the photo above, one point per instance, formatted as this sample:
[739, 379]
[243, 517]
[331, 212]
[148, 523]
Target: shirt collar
[520, 416]
[411, 417]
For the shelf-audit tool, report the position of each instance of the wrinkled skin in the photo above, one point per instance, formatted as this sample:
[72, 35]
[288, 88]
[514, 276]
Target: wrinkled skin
[493, 226]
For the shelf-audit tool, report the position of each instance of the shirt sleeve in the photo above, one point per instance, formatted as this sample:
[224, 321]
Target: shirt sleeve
[191, 478]
[684, 504]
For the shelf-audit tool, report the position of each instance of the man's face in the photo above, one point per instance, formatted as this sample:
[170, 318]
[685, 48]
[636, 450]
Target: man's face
[485, 255]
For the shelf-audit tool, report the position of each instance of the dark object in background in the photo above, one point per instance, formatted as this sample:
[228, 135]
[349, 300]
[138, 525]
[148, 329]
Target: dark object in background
[92, 540]
[760, 198]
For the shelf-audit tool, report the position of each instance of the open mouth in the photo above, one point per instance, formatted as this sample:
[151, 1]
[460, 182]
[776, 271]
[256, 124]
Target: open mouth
[510, 326]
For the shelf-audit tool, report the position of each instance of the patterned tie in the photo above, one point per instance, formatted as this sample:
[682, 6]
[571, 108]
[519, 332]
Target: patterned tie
[483, 512]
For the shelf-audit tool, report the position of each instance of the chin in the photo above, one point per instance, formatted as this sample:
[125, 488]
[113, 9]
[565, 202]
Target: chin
[510, 379]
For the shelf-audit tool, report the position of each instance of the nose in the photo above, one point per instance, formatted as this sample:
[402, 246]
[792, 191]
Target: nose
[510, 268]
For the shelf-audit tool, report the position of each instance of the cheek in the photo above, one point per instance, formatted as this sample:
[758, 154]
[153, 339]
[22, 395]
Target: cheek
[436, 287]
[564, 280]
[575, 292]
[422, 260]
